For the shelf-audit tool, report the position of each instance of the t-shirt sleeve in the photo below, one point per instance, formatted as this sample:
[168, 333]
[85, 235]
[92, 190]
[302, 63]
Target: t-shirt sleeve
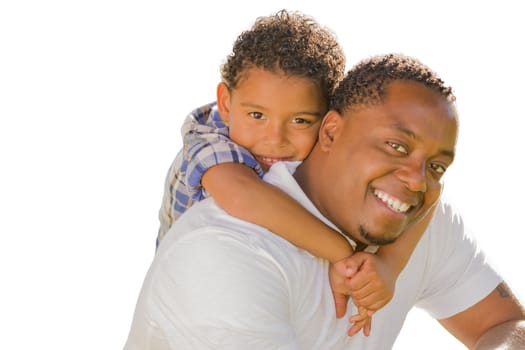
[459, 274]
[170, 203]
[217, 292]
[206, 144]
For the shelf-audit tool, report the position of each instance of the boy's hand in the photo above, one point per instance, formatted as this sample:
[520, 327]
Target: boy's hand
[363, 320]
[368, 280]
[339, 272]
[372, 286]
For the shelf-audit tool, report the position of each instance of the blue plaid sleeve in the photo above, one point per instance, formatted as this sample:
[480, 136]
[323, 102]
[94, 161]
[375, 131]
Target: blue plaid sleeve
[207, 143]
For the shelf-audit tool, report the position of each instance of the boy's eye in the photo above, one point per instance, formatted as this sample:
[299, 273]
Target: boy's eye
[256, 115]
[398, 147]
[299, 120]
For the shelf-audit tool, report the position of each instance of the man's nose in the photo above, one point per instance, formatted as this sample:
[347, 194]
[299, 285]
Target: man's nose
[413, 174]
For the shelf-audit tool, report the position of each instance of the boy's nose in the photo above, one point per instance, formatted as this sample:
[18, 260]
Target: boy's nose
[275, 134]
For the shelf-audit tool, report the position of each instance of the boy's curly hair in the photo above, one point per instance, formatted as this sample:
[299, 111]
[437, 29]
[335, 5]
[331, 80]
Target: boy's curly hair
[366, 83]
[291, 42]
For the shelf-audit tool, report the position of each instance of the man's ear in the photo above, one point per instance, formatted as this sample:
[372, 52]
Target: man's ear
[223, 102]
[329, 130]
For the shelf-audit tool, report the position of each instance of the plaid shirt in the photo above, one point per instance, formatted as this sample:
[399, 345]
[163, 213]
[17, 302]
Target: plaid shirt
[206, 143]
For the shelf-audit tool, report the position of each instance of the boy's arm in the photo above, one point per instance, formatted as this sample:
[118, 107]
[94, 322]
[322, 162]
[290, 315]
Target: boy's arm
[241, 193]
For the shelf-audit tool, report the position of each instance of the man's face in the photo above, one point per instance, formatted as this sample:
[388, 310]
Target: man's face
[383, 164]
[275, 117]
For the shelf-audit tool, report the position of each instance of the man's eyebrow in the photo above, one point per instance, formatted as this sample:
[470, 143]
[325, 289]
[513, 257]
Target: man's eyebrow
[406, 131]
[412, 135]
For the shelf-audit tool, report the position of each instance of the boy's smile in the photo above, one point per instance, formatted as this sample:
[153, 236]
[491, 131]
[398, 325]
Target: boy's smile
[275, 117]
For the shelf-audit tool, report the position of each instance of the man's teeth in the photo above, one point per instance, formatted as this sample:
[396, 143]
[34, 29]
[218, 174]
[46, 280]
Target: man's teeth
[392, 203]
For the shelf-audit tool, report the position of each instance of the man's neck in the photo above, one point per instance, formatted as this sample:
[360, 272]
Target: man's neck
[308, 180]
[309, 177]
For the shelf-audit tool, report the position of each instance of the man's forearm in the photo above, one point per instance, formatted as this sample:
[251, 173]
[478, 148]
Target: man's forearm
[509, 335]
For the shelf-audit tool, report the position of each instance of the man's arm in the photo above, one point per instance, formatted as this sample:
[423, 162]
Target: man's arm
[496, 322]
[508, 335]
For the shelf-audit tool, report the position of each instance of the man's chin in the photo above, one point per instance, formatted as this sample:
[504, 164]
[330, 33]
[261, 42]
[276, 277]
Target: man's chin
[372, 239]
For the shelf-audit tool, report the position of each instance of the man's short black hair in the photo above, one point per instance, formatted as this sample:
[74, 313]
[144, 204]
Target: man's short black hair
[366, 83]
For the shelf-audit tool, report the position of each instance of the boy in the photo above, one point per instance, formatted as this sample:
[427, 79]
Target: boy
[274, 92]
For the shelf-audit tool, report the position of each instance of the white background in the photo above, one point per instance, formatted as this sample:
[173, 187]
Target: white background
[92, 95]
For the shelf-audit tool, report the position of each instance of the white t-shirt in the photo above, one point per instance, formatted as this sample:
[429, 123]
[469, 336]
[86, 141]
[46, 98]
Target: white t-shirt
[221, 283]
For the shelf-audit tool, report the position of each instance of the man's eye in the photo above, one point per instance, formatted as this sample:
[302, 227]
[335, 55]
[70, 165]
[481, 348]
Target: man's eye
[398, 147]
[256, 115]
[438, 168]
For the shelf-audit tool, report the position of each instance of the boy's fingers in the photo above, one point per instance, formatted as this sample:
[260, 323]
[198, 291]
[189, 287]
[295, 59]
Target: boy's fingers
[362, 311]
[362, 280]
[372, 301]
[340, 301]
[356, 327]
[346, 268]
[368, 327]
[361, 316]
[357, 260]
[365, 325]
[341, 268]
[357, 318]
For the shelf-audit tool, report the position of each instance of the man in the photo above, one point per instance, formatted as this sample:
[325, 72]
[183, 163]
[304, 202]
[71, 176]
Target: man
[221, 283]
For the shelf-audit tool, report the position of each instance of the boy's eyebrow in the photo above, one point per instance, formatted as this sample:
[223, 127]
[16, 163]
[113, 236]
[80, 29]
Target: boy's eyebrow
[313, 114]
[256, 106]
[411, 134]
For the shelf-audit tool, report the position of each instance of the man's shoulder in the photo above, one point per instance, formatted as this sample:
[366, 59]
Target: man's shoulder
[444, 231]
[206, 218]
[447, 218]
[206, 224]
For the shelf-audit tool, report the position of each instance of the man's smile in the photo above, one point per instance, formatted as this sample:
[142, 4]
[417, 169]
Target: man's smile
[393, 203]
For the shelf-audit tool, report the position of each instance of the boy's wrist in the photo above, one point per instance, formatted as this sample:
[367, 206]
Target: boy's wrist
[344, 251]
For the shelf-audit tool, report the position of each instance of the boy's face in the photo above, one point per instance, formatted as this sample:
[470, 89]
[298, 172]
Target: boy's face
[275, 117]
[382, 165]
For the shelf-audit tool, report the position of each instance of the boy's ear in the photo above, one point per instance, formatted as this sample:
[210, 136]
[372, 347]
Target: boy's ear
[330, 129]
[223, 102]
